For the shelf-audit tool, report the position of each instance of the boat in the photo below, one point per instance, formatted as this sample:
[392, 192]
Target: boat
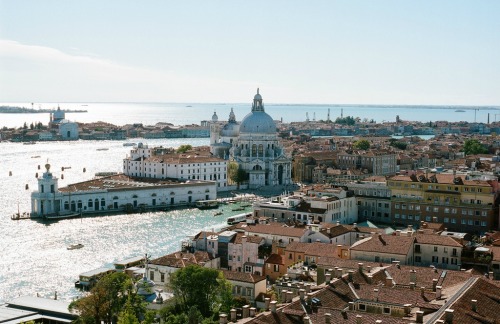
[61, 216]
[238, 209]
[29, 143]
[218, 213]
[207, 204]
[129, 144]
[19, 216]
[35, 156]
[459, 110]
[238, 218]
[102, 149]
[74, 246]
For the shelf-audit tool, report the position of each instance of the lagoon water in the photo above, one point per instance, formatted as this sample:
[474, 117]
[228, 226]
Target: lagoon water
[193, 113]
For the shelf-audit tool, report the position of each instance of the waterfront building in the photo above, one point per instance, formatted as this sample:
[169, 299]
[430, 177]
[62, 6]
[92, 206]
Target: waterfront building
[68, 130]
[114, 194]
[459, 202]
[161, 163]
[254, 146]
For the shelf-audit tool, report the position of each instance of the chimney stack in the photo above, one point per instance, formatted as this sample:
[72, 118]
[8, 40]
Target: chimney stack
[369, 269]
[267, 300]
[222, 318]
[360, 267]
[273, 306]
[359, 319]
[438, 292]
[474, 305]
[252, 311]
[302, 294]
[246, 311]
[422, 291]
[412, 285]
[351, 275]
[328, 275]
[388, 281]
[233, 315]
[448, 317]
[413, 276]
[328, 318]
[289, 296]
[434, 284]
[420, 316]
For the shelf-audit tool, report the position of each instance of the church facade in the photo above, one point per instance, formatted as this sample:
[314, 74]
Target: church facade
[254, 145]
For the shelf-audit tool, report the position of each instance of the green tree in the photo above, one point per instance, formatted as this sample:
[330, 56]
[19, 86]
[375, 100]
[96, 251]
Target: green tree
[473, 146]
[107, 300]
[345, 120]
[236, 174]
[398, 144]
[204, 288]
[361, 144]
[184, 148]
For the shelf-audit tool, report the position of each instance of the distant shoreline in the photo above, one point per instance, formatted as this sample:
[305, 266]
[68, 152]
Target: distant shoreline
[23, 110]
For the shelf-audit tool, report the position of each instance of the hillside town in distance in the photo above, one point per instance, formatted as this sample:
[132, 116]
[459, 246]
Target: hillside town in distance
[348, 223]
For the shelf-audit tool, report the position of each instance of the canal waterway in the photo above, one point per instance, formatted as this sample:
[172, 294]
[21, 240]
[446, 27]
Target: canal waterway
[34, 258]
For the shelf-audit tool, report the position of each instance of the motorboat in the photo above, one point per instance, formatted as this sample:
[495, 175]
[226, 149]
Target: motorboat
[75, 246]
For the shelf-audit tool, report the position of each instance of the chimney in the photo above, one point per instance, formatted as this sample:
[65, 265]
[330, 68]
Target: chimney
[351, 306]
[438, 292]
[328, 276]
[369, 269]
[309, 297]
[412, 285]
[413, 276]
[306, 319]
[339, 272]
[273, 306]
[448, 315]
[434, 219]
[283, 295]
[302, 294]
[422, 291]
[328, 318]
[308, 288]
[491, 275]
[434, 284]
[289, 296]
[252, 311]
[424, 225]
[398, 232]
[350, 275]
[420, 316]
[267, 300]
[360, 267]
[222, 318]
[474, 305]
[233, 315]
[359, 319]
[381, 239]
[388, 281]
[246, 311]
[375, 294]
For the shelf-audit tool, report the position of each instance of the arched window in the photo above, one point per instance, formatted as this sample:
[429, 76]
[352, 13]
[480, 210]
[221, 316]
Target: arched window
[79, 205]
[91, 203]
[66, 205]
[172, 193]
[190, 192]
[134, 196]
[254, 149]
[261, 150]
[103, 202]
[115, 197]
[153, 195]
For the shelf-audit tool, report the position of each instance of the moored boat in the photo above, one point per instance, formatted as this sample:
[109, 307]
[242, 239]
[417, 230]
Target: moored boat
[207, 204]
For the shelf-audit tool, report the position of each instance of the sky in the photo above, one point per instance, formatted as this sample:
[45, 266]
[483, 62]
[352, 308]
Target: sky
[326, 52]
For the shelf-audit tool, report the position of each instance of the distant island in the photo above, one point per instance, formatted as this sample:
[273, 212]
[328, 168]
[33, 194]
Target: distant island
[24, 110]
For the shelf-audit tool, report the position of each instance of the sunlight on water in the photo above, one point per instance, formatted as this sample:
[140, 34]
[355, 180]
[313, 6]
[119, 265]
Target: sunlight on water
[34, 255]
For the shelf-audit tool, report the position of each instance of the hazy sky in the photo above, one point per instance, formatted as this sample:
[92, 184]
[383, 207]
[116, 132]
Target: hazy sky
[371, 52]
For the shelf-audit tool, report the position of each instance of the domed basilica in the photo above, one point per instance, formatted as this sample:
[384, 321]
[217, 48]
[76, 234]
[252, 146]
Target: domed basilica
[253, 144]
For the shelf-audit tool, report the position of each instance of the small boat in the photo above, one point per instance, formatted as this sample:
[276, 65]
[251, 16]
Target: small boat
[61, 216]
[459, 110]
[35, 156]
[218, 213]
[102, 149]
[29, 143]
[207, 204]
[238, 209]
[19, 216]
[129, 144]
[74, 246]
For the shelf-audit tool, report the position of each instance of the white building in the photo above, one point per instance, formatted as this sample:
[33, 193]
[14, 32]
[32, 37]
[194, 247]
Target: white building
[114, 193]
[68, 130]
[161, 163]
[254, 145]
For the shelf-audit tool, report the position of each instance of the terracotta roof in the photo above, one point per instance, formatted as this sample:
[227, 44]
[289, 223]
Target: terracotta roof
[436, 240]
[242, 276]
[313, 249]
[487, 295]
[181, 259]
[273, 229]
[390, 244]
[275, 259]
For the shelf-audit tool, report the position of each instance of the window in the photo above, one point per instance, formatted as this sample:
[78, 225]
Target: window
[162, 277]
[435, 259]
[418, 258]
[362, 307]
[435, 249]
[387, 310]
[152, 275]
[276, 268]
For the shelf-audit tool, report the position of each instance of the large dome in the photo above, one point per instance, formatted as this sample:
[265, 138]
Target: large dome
[258, 122]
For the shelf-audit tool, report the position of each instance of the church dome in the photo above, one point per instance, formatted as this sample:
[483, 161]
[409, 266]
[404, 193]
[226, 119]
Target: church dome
[258, 121]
